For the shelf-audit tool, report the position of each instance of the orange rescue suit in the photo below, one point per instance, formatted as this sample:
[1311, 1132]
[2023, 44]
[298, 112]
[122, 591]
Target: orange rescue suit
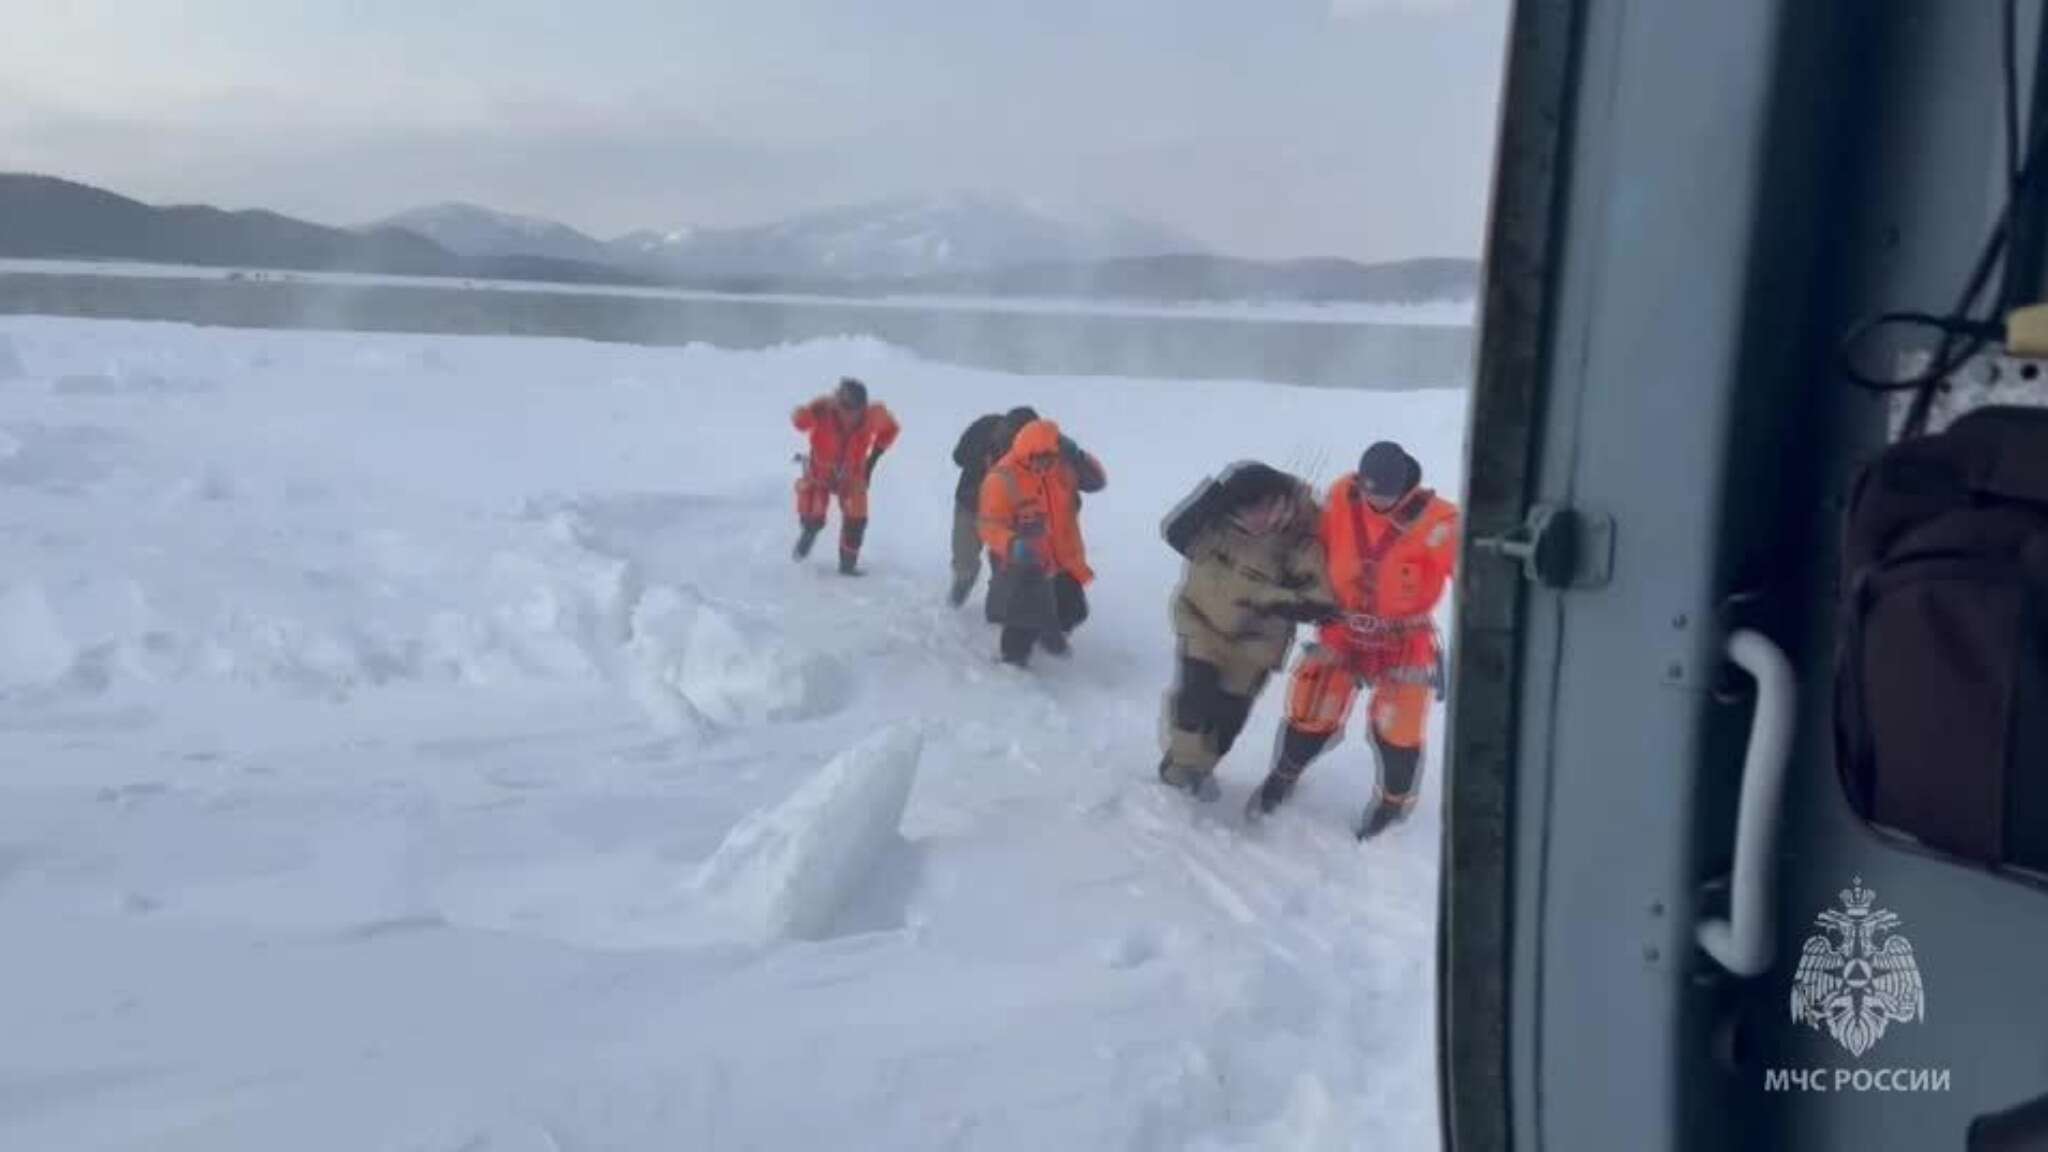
[1388, 571]
[839, 456]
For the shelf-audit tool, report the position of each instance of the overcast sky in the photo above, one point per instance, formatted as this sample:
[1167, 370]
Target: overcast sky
[1359, 128]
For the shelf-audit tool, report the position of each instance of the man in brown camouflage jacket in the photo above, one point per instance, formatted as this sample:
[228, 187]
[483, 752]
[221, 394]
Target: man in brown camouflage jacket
[1254, 572]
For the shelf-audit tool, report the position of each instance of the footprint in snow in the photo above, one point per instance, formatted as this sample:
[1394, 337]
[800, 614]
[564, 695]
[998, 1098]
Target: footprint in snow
[1132, 949]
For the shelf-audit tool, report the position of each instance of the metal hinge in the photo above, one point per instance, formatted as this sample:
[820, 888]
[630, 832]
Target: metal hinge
[1559, 547]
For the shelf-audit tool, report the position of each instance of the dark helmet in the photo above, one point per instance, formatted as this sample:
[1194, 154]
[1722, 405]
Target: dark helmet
[1012, 423]
[852, 393]
[1387, 471]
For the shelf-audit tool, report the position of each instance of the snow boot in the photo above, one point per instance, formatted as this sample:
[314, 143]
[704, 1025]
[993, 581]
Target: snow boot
[1201, 785]
[1290, 760]
[851, 532]
[804, 540]
[1378, 818]
[1055, 644]
[1014, 646]
[1270, 794]
[1395, 794]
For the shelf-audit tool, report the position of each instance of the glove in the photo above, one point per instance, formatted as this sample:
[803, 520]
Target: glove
[874, 458]
[1088, 475]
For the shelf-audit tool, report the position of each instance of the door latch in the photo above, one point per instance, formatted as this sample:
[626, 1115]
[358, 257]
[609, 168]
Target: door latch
[1559, 547]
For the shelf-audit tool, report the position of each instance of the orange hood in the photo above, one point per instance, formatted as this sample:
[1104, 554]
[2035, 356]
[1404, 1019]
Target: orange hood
[1013, 494]
[1038, 438]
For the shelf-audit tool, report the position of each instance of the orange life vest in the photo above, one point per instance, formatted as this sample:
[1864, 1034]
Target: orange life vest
[1391, 567]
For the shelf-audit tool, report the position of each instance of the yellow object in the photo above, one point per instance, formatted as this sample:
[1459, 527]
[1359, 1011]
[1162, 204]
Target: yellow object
[2026, 332]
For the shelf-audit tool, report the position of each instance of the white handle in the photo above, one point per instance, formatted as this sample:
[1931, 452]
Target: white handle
[1742, 943]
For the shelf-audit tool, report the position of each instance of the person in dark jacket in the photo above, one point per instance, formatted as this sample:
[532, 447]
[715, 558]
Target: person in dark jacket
[983, 443]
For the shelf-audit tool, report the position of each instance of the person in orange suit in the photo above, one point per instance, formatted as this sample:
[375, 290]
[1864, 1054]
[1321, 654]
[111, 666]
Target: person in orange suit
[1031, 524]
[1391, 546]
[848, 437]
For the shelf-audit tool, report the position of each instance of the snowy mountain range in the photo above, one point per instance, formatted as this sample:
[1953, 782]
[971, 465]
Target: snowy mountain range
[473, 231]
[903, 238]
[965, 243]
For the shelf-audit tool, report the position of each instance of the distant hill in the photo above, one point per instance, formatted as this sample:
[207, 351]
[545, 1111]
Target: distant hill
[44, 217]
[963, 244]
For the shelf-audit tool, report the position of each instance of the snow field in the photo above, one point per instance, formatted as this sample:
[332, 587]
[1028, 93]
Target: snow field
[427, 743]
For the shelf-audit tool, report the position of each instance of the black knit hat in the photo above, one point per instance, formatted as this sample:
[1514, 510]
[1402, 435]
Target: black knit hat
[1387, 471]
[852, 392]
[1021, 415]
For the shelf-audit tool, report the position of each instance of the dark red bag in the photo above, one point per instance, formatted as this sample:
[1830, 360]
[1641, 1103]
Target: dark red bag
[1941, 682]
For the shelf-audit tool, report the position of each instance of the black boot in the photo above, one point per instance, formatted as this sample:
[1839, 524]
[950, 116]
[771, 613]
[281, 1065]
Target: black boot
[805, 539]
[1395, 795]
[957, 595]
[1270, 794]
[1378, 818]
[1014, 645]
[1297, 749]
[851, 533]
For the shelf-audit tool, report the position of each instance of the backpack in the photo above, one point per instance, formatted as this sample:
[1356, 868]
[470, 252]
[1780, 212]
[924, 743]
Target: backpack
[1195, 512]
[1941, 677]
[1240, 483]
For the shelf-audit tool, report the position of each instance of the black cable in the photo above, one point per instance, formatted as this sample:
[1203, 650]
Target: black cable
[1957, 324]
[1962, 338]
[2009, 54]
[2009, 49]
[1963, 335]
[2026, 253]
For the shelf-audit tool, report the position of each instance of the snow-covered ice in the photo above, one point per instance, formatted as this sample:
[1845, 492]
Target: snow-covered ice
[1457, 312]
[428, 744]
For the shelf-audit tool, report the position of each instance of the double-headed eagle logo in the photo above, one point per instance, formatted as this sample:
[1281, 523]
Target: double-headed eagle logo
[1856, 976]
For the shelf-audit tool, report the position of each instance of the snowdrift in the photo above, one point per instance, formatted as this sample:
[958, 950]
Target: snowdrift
[791, 870]
[696, 665]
